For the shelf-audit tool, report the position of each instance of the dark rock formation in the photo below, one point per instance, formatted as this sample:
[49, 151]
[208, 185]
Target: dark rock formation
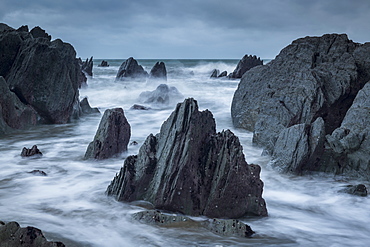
[222, 74]
[139, 107]
[229, 228]
[298, 106]
[245, 64]
[38, 32]
[38, 173]
[357, 190]
[42, 74]
[26, 152]
[158, 72]
[12, 235]
[163, 94]
[191, 169]
[13, 113]
[103, 64]
[112, 136]
[130, 69]
[86, 108]
[214, 73]
[87, 66]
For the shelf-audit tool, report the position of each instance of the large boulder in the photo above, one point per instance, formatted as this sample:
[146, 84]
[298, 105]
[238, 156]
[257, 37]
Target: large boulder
[158, 72]
[12, 235]
[112, 136]
[191, 169]
[14, 114]
[130, 69]
[299, 97]
[43, 74]
[162, 95]
[245, 64]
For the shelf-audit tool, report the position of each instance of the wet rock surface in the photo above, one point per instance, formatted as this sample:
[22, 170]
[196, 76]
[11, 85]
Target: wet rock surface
[86, 108]
[191, 169]
[87, 66]
[245, 64]
[130, 69]
[296, 105]
[12, 235]
[112, 136]
[162, 95]
[28, 152]
[158, 72]
[103, 64]
[357, 190]
[223, 227]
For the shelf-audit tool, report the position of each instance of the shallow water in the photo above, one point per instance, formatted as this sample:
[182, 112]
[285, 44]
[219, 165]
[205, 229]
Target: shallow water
[69, 203]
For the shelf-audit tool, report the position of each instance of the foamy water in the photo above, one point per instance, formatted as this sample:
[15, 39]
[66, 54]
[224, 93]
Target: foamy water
[69, 203]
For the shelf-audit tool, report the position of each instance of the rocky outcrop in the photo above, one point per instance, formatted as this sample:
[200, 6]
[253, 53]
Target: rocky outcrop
[162, 95]
[191, 169]
[103, 64]
[112, 136]
[215, 73]
[28, 152]
[357, 190]
[298, 106]
[13, 113]
[158, 72]
[223, 227]
[43, 74]
[12, 235]
[245, 64]
[222, 74]
[86, 108]
[130, 69]
[87, 66]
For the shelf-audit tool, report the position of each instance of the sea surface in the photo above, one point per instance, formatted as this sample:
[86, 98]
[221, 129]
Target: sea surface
[70, 205]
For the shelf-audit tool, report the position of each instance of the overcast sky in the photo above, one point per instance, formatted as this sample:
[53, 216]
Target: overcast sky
[187, 28]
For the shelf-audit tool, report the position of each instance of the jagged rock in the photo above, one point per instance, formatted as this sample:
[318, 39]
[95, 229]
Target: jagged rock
[214, 73]
[163, 94]
[222, 74]
[38, 32]
[139, 107]
[13, 113]
[38, 172]
[314, 77]
[103, 64]
[191, 169]
[229, 228]
[4, 27]
[112, 136]
[158, 72]
[357, 190]
[130, 69]
[12, 235]
[87, 66]
[23, 28]
[43, 74]
[86, 108]
[245, 64]
[26, 152]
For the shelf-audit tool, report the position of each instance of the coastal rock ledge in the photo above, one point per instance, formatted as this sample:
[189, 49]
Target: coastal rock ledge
[309, 107]
[190, 169]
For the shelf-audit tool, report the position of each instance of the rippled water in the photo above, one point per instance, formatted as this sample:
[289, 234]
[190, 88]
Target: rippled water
[69, 203]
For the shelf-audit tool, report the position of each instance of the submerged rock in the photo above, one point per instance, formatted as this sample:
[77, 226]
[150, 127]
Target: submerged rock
[245, 64]
[31, 152]
[358, 190]
[38, 173]
[112, 136]
[229, 228]
[191, 169]
[130, 69]
[162, 95]
[296, 104]
[12, 235]
[158, 72]
[139, 107]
